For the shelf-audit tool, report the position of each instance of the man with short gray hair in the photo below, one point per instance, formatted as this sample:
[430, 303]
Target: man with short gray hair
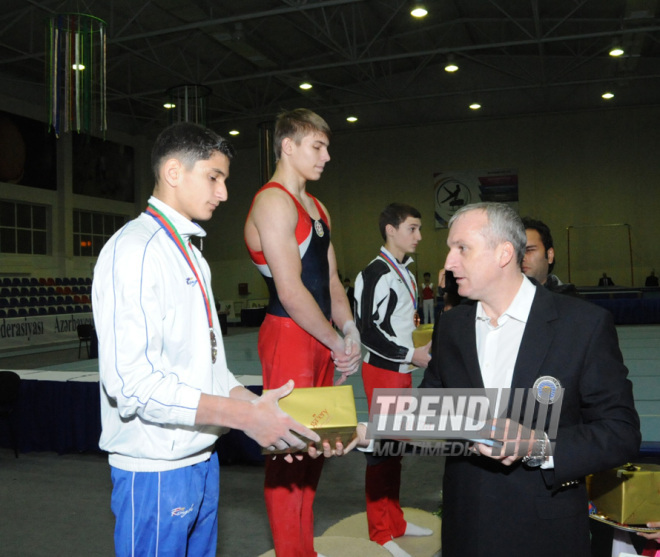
[530, 499]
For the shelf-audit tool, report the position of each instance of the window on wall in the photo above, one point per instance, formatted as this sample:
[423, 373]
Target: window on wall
[24, 228]
[92, 230]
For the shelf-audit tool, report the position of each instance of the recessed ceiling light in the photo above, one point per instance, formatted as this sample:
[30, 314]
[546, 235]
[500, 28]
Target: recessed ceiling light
[475, 106]
[305, 85]
[616, 51]
[352, 119]
[234, 132]
[169, 106]
[608, 95]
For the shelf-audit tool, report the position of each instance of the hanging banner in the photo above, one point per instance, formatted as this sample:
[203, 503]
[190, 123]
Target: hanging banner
[456, 189]
[29, 332]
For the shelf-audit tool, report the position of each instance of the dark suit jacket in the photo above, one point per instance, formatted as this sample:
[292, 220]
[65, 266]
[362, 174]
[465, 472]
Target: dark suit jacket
[499, 511]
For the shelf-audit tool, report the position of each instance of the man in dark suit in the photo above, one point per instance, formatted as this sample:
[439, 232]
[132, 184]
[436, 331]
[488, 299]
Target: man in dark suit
[531, 499]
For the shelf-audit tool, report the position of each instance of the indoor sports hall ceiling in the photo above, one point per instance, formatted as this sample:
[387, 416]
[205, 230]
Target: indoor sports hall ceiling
[367, 58]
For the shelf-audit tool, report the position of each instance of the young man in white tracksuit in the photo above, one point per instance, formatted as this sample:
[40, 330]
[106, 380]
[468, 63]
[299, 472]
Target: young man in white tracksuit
[165, 387]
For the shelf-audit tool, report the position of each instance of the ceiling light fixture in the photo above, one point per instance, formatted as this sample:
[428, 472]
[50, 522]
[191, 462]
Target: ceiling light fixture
[419, 9]
[616, 51]
[169, 106]
[608, 95]
[475, 106]
[234, 132]
[190, 101]
[76, 99]
[351, 119]
[451, 66]
[305, 85]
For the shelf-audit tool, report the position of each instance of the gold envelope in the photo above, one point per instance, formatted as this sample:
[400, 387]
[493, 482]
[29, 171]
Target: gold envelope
[629, 494]
[329, 411]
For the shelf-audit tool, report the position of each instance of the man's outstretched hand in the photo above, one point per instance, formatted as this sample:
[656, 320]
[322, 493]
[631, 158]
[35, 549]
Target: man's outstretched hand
[273, 428]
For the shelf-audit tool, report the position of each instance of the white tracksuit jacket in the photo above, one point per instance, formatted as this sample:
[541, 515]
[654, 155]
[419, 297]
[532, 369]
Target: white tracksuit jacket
[154, 347]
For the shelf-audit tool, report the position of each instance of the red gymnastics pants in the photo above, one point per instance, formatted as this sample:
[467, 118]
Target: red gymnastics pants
[383, 480]
[288, 352]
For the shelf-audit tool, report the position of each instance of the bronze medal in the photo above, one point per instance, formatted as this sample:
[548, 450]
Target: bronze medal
[214, 346]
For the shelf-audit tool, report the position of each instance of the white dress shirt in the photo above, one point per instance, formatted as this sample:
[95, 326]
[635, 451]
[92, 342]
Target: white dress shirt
[498, 345]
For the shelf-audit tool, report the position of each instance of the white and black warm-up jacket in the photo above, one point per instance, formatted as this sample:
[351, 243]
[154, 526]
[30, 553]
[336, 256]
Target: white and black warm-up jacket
[385, 311]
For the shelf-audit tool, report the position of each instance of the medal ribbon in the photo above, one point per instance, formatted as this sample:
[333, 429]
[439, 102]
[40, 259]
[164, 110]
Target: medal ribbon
[164, 222]
[413, 292]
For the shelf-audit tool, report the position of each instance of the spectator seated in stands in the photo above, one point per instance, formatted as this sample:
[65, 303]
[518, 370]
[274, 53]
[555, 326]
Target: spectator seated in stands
[651, 280]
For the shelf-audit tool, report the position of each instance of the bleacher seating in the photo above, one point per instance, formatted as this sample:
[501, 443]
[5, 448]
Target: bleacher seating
[30, 296]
